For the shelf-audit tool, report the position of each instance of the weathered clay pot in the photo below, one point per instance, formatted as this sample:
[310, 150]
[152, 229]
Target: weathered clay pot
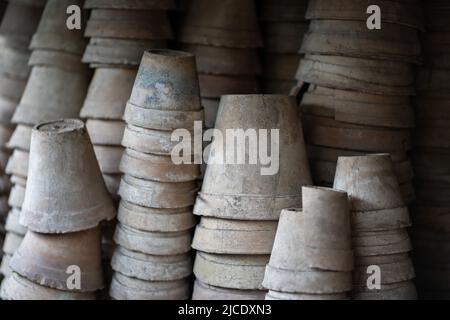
[231, 271]
[211, 107]
[20, 138]
[203, 291]
[359, 108]
[406, 13]
[236, 237]
[125, 288]
[368, 76]
[57, 200]
[153, 243]
[105, 132]
[51, 94]
[157, 168]
[275, 295]
[376, 243]
[12, 223]
[5, 270]
[17, 195]
[52, 33]
[225, 61]
[11, 88]
[397, 291]
[112, 183]
[127, 53]
[157, 194]
[108, 93]
[108, 158]
[45, 259]
[151, 267]
[130, 4]
[155, 220]
[18, 163]
[11, 243]
[227, 192]
[235, 25]
[16, 287]
[373, 186]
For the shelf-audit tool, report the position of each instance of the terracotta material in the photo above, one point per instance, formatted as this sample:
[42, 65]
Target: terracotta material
[155, 220]
[108, 158]
[11, 243]
[21, 138]
[153, 243]
[157, 194]
[236, 26]
[275, 295]
[151, 267]
[108, 93]
[375, 243]
[130, 4]
[12, 223]
[125, 288]
[397, 291]
[18, 163]
[227, 192]
[16, 287]
[52, 33]
[105, 132]
[203, 291]
[44, 259]
[5, 270]
[236, 237]
[16, 196]
[53, 199]
[231, 271]
[392, 272]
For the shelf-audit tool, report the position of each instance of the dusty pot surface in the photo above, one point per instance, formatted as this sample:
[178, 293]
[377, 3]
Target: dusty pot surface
[203, 291]
[275, 295]
[65, 189]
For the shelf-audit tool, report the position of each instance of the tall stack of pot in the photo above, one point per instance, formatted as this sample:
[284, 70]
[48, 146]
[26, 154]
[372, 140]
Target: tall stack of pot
[241, 200]
[152, 259]
[65, 200]
[283, 26]
[360, 84]
[55, 89]
[379, 218]
[431, 157]
[224, 36]
[312, 257]
[15, 37]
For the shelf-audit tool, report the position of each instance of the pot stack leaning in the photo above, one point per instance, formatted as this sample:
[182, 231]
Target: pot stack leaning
[241, 200]
[224, 35]
[379, 218]
[312, 257]
[55, 89]
[65, 201]
[152, 260]
[283, 26]
[360, 84]
[431, 158]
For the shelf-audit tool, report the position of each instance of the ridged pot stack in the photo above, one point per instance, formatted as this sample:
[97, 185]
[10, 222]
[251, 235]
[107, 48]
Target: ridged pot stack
[15, 37]
[240, 204]
[152, 260]
[360, 84]
[55, 90]
[224, 35]
[283, 26]
[379, 221]
[312, 256]
[65, 201]
[431, 158]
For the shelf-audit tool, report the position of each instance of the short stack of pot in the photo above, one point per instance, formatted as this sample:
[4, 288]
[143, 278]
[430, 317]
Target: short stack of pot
[381, 244]
[55, 90]
[283, 27]
[431, 158]
[240, 204]
[152, 259]
[224, 36]
[312, 256]
[360, 84]
[18, 25]
[65, 200]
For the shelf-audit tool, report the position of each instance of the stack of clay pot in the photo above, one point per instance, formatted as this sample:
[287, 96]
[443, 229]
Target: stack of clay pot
[55, 90]
[240, 204]
[18, 25]
[65, 200]
[283, 27]
[431, 158]
[312, 256]
[224, 36]
[379, 228]
[152, 260]
[360, 84]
